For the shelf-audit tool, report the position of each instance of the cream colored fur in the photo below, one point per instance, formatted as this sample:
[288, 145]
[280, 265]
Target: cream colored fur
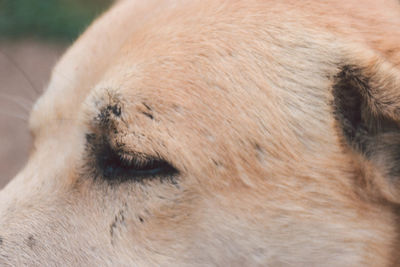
[240, 96]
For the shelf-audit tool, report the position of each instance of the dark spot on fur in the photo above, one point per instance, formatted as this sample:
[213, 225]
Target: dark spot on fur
[258, 148]
[147, 106]
[259, 152]
[391, 51]
[30, 241]
[178, 109]
[116, 110]
[121, 216]
[1, 241]
[90, 137]
[149, 112]
[112, 227]
[119, 220]
[216, 163]
[141, 219]
[104, 116]
[148, 115]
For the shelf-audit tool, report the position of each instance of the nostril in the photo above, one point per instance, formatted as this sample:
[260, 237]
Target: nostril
[1, 241]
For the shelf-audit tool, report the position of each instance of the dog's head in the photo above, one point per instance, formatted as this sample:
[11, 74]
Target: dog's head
[230, 133]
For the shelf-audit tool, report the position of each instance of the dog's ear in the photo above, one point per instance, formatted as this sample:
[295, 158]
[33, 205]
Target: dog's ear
[366, 101]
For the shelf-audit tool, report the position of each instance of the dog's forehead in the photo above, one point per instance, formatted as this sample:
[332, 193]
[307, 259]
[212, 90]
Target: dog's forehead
[156, 45]
[207, 67]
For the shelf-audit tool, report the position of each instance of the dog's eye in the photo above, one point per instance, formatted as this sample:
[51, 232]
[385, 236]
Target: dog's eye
[117, 166]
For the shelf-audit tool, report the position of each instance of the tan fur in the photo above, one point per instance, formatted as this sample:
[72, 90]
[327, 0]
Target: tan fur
[240, 101]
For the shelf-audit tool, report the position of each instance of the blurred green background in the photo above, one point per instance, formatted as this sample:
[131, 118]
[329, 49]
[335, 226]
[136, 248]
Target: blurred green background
[33, 36]
[61, 20]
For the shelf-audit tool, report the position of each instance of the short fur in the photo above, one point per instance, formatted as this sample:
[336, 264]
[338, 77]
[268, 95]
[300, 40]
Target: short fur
[280, 120]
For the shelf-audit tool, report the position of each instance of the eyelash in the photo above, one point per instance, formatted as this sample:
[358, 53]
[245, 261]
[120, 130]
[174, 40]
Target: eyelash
[119, 166]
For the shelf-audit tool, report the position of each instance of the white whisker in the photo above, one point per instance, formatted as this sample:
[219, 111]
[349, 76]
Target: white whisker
[21, 102]
[22, 72]
[25, 119]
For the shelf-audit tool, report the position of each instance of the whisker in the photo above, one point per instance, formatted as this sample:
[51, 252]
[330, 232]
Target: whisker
[23, 73]
[24, 119]
[17, 100]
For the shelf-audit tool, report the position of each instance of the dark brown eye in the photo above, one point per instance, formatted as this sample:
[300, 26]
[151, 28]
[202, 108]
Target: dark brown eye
[120, 166]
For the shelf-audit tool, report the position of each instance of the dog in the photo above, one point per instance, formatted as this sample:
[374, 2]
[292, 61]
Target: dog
[216, 133]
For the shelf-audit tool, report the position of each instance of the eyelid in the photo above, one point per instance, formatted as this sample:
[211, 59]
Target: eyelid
[118, 165]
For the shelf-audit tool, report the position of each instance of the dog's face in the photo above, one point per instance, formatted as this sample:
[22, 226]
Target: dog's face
[204, 133]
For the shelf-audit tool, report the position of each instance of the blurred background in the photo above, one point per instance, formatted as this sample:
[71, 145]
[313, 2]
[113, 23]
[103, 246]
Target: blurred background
[33, 35]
